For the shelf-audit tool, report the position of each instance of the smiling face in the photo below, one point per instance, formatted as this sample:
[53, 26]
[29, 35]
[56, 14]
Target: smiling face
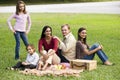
[21, 7]
[30, 50]
[47, 32]
[65, 30]
[83, 34]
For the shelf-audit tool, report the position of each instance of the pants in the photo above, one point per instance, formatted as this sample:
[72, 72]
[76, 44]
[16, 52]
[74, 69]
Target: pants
[100, 54]
[17, 36]
[53, 59]
[20, 65]
[63, 59]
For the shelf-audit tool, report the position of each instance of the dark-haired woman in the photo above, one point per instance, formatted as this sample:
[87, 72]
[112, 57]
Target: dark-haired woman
[84, 52]
[48, 46]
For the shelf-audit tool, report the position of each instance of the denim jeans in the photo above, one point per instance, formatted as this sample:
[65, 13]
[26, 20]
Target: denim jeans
[17, 36]
[100, 54]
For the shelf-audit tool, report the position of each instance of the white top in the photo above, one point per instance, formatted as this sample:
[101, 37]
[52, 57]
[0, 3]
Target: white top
[32, 59]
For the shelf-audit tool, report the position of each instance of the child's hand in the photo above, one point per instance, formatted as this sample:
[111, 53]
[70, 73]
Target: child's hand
[27, 32]
[24, 63]
[14, 31]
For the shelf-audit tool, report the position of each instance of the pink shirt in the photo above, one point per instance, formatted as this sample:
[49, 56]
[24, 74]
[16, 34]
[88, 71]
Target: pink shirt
[20, 24]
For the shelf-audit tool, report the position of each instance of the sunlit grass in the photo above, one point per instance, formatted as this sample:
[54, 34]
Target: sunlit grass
[101, 28]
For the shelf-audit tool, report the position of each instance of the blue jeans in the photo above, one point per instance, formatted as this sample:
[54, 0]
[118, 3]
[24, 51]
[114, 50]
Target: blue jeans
[17, 36]
[100, 54]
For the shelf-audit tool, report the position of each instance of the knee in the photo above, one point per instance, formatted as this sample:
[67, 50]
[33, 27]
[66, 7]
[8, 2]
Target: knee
[44, 52]
[49, 50]
[96, 45]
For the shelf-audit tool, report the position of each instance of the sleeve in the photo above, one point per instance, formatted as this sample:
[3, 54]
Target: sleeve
[29, 22]
[65, 47]
[27, 58]
[36, 59]
[9, 21]
[55, 47]
[40, 43]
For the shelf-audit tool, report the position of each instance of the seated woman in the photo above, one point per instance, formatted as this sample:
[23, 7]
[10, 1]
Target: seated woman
[47, 47]
[84, 52]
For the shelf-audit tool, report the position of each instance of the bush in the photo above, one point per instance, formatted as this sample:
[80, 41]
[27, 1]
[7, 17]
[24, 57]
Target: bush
[48, 1]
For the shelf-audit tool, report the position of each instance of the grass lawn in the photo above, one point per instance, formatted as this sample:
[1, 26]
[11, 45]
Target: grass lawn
[101, 28]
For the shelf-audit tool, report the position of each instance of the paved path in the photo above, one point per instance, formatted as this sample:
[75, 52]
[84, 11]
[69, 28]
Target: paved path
[91, 7]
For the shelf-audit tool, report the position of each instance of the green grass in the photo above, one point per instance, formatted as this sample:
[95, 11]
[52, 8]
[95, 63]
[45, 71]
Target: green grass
[101, 28]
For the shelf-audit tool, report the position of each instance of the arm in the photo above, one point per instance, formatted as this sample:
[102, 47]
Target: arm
[55, 47]
[26, 62]
[40, 44]
[9, 23]
[68, 44]
[41, 51]
[31, 60]
[29, 23]
[36, 59]
[92, 51]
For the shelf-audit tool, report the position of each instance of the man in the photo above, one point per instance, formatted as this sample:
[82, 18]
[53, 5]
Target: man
[67, 46]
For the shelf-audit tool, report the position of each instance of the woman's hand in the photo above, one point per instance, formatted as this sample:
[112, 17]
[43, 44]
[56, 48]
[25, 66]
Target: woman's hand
[100, 47]
[57, 38]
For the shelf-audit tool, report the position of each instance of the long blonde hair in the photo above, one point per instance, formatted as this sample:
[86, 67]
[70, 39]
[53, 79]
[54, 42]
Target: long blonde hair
[18, 7]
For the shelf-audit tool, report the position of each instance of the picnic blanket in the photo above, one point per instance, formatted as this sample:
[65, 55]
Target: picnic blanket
[53, 71]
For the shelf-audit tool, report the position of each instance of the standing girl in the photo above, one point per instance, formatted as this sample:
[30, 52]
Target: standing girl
[22, 17]
[84, 52]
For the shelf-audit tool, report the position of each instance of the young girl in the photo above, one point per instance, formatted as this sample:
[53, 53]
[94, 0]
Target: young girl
[84, 52]
[47, 47]
[31, 59]
[19, 30]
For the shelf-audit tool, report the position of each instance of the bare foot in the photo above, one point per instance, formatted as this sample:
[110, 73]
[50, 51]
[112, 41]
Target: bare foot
[108, 63]
[45, 66]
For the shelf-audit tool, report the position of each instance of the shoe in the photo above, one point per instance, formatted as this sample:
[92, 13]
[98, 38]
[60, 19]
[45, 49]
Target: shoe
[7, 68]
[10, 68]
[17, 59]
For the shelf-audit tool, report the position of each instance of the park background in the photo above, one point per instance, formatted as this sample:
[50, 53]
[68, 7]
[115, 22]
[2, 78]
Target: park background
[11, 2]
[103, 28]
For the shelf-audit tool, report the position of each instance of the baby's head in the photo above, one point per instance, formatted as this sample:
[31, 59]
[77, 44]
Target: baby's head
[30, 48]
